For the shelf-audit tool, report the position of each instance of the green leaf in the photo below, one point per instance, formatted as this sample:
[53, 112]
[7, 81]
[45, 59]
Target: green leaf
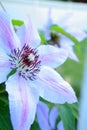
[43, 39]
[35, 126]
[11, 72]
[5, 122]
[3, 95]
[74, 107]
[2, 88]
[62, 31]
[17, 22]
[3, 98]
[67, 117]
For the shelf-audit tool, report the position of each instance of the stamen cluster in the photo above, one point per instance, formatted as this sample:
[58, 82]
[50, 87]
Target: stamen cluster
[26, 61]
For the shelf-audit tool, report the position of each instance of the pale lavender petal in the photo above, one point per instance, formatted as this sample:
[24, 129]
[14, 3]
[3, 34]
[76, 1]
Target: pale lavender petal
[64, 41]
[55, 88]
[22, 102]
[67, 45]
[4, 71]
[21, 33]
[8, 38]
[64, 21]
[28, 33]
[60, 126]
[52, 56]
[47, 25]
[76, 32]
[4, 65]
[4, 58]
[72, 54]
[53, 117]
[42, 116]
[49, 21]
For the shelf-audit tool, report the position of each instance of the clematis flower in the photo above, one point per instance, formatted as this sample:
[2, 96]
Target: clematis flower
[47, 118]
[60, 40]
[27, 70]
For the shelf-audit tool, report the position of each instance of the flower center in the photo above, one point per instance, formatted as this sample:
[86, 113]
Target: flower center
[26, 61]
[54, 38]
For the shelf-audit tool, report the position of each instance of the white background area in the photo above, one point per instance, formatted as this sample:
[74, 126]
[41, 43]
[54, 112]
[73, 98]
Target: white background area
[18, 9]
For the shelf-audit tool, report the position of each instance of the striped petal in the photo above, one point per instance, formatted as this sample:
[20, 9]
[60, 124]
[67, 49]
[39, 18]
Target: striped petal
[22, 102]
[4, 65]
[8, 38]
[21, 33]
[55, 88]
[52, 56]
[53, 117]
[28, 34]
[33, 38]
[42, 116]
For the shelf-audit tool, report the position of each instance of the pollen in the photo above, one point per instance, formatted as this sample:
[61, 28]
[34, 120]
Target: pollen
[31, 57]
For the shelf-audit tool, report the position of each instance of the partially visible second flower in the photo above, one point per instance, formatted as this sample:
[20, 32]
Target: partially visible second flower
[47, 119]
[59, 40]
[26, 68]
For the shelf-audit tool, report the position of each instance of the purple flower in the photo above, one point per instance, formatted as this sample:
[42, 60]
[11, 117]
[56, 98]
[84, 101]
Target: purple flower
[60, 40]
[20, 53]
[47, 118]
